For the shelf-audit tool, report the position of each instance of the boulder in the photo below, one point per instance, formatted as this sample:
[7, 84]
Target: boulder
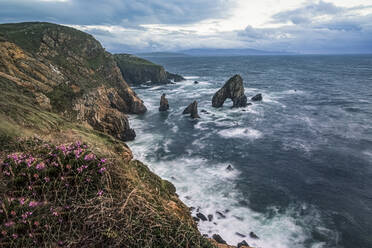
[240, 235]
[234, 90]
[164, 106]
[243, 244]
[192, 109]
[201, 216]
[220, 215]
[229, 168]
[253, 235]
[219, 239]
[196, 82]
[257, 97]
[210, 217]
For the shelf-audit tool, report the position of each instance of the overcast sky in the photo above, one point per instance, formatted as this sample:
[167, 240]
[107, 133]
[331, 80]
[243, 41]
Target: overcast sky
[303, 26]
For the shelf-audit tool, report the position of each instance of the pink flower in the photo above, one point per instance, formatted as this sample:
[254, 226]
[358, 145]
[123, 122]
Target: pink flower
[55, 213]
[36, 175]
[36, 223]
[40, 166]
[100, 193]
[4, 233]
[47, 179]
[13, 212]
[22, 201]
[103, 160]
[102, 170]
[10, 223]
[89, 157]
[33, 204]
[68, 166]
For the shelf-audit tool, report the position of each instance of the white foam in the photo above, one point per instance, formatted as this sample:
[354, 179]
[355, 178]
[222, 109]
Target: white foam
[241, 133]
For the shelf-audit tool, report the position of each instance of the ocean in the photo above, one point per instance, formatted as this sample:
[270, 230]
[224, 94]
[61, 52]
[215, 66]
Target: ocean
[301, 158]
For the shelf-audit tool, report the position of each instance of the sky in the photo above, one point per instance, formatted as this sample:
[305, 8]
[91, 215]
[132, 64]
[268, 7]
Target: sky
[300, 26]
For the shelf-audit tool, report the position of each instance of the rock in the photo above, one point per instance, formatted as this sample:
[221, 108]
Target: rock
[196, 219]
[253, 235]
[102, 109]
[192, 109]
[229, 168]
[175, 77]
[220, 215]
[164, 106]
[201, 216]
[232, 89]
[210, 217]
[240, 235]
[43, 101]
[243, 244]
[219, 239]
[257, 97]
[196, 82]
[137, 71]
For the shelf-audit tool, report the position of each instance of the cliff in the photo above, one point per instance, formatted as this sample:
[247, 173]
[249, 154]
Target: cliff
[137, 71]
[63, 69]
[67, 179]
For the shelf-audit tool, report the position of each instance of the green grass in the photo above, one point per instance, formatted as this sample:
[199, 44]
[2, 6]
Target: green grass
[132, 59]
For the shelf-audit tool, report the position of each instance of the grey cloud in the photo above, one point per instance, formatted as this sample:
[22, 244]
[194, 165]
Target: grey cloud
[114, 12]
[307, 13]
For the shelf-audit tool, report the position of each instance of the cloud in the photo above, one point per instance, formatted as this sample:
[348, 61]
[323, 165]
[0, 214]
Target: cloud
[310, 26]
[307, 13]
[114, 12]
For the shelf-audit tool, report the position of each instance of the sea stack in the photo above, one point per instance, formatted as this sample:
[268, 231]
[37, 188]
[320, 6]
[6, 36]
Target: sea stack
[164, 106]
[192, 109]
[232, 89]
[257, 97]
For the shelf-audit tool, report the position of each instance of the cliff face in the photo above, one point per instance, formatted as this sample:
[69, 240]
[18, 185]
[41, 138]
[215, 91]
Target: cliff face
[63, 68]
[137, 71]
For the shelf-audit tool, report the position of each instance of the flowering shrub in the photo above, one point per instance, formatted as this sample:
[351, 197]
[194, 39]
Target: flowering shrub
[43, 191]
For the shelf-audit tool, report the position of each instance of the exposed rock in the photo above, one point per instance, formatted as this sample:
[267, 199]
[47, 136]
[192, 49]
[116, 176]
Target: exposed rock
[196, 82]
[164, 106]
[175, 77]
[201, 216]
[240, 235]
[253, 235]
[137, 71]
[220, 215]
[243, 244]
[196, 219]
[101, 109]
[219, 239]
[219, 245]
[192, 109]
[63, 67]
[43, 101]
[210, 217]
[257, 97]
[229, 168]
[232, 89]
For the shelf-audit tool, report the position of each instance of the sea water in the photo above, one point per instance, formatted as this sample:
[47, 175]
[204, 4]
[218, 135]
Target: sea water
[301, 158]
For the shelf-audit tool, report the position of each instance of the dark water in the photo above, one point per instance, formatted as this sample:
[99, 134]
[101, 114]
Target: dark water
[302, 158]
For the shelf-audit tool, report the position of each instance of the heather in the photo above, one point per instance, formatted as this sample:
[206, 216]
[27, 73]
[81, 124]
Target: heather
[68, 196]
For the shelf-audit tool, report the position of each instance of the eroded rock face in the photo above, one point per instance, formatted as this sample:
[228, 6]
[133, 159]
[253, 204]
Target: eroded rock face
[102, 109]
[232, 89]
[164, 106]
[64, 68]
[192, 109]
[257, 97]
